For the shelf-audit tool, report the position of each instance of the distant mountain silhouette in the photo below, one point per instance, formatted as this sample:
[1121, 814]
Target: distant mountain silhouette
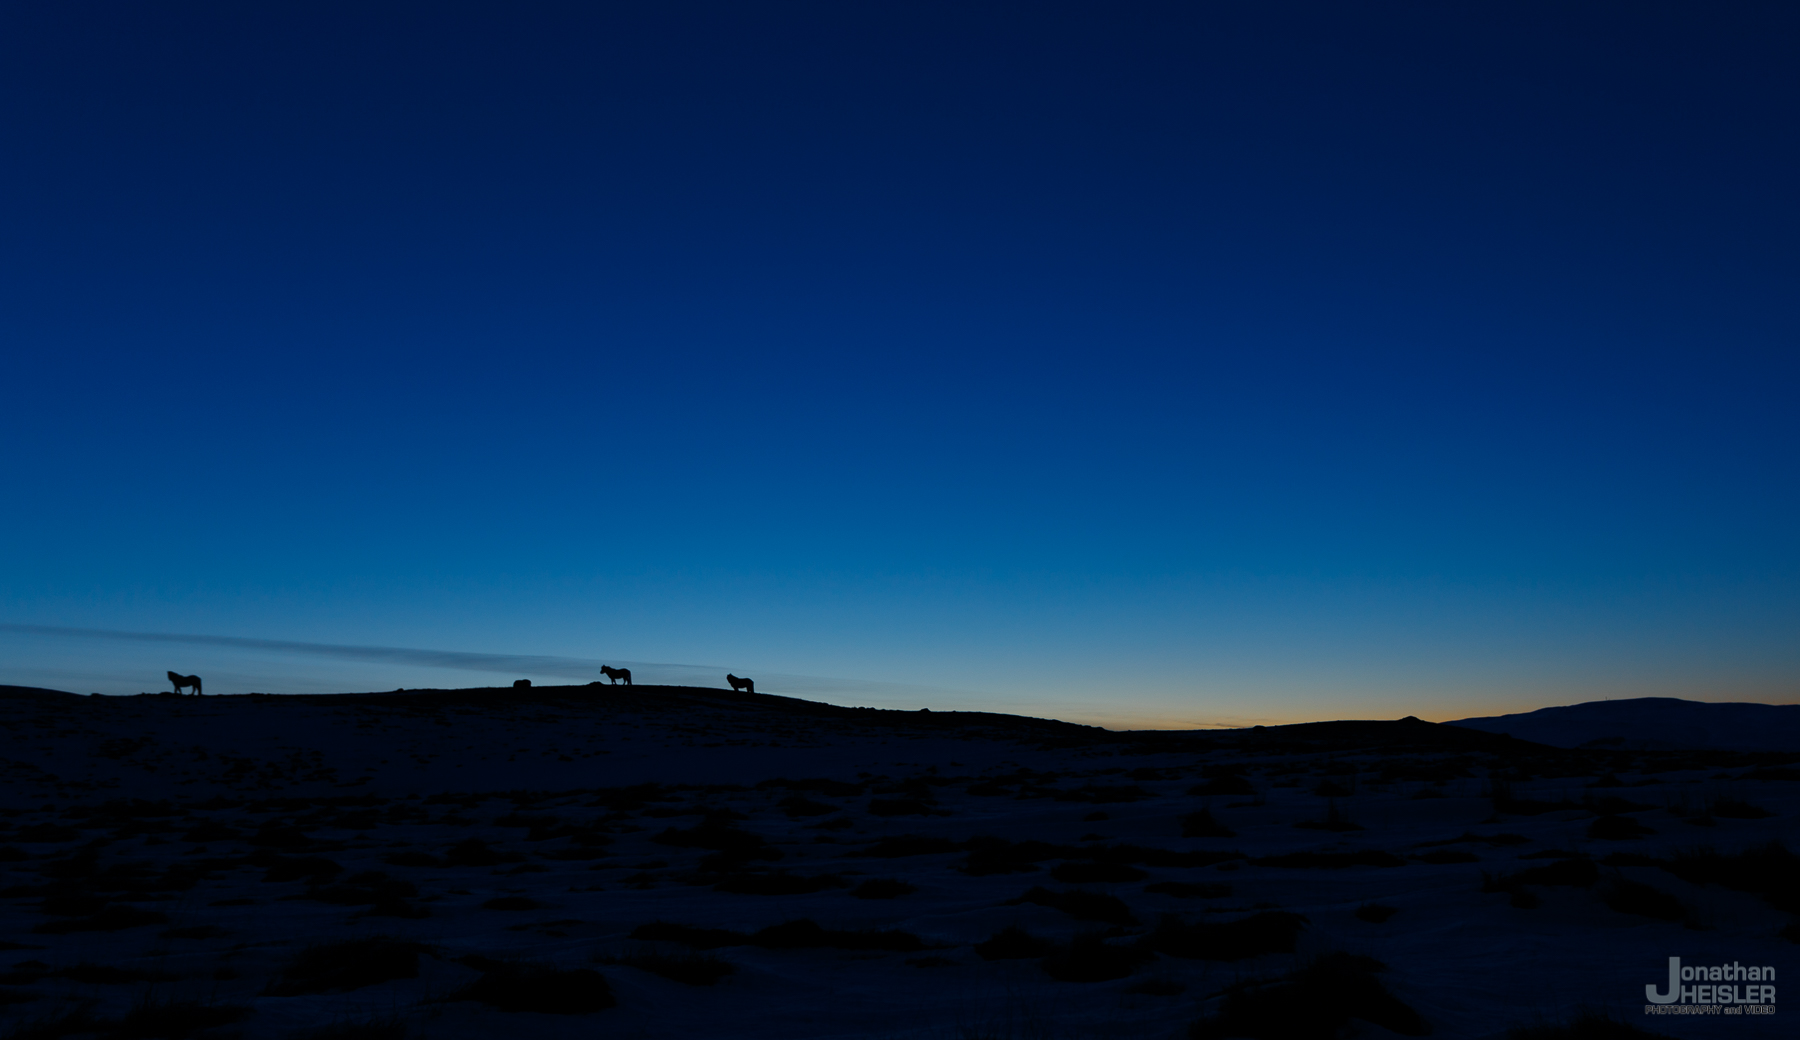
[1653, 722]
[33, 691]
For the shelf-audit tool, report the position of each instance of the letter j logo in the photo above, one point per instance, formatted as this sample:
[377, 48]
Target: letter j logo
[1674, 993]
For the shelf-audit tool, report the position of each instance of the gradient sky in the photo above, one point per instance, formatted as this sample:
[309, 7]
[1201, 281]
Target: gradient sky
[1142, 364]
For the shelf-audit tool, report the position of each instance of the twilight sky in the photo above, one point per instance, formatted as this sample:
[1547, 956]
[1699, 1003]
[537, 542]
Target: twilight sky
[1140, 364]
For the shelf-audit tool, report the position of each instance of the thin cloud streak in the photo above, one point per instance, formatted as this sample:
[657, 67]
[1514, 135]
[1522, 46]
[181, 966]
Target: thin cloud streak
[577, 668]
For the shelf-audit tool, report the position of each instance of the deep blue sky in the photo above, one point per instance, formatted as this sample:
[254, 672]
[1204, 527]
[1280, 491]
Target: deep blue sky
[1152, 364]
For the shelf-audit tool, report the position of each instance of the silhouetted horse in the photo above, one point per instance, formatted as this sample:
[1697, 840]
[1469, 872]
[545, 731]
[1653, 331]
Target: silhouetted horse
[613, 675]
[521, 684]
[185, 680]
[738, 683]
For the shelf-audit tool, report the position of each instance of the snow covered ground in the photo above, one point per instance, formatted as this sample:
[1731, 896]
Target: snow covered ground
[476, 863]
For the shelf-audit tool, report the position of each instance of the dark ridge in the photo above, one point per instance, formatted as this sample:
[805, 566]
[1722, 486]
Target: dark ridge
[1402, 737]
[1406, 733]
[1395, 737]
[674, 698]
[1409, 736]
[33, 693]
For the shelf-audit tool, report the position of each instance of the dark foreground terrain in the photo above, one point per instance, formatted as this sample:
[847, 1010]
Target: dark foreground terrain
[678, 862]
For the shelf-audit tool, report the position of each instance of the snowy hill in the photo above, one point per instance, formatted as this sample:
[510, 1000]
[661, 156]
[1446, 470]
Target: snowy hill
[1654, 722]
[676, 863]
